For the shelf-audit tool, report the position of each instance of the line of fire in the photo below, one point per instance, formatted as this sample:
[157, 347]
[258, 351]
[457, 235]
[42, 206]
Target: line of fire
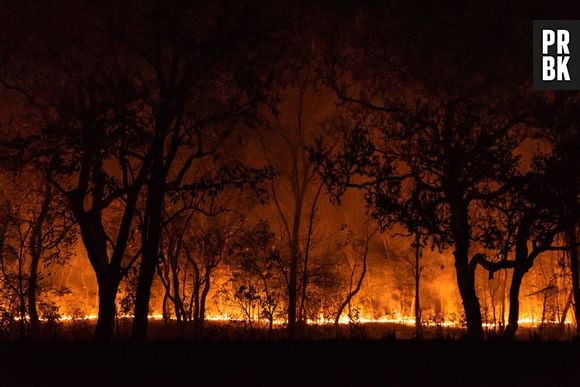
[182, 170]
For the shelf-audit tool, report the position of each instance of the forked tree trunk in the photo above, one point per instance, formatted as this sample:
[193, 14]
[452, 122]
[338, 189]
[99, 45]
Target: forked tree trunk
[107, 283]
[523, 263]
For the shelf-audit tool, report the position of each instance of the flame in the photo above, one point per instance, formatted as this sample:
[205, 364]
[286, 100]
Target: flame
[344, 320]
[382, 300]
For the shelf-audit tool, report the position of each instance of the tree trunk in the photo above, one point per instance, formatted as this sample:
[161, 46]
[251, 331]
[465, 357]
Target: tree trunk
[466, 282]
[514, 311]
[143, 295]
[292, 289]
[107, 290]
[502, 304]
[418, 326]
[35, 255]
[177, 301]
[466, 279]
[294, 259]
[203, 299]
[32, 286]
[150, 239]
[22, 308]
[565, 310]
[353, 292]
[194, 303]
[465, 274]
[165, 308]
[107, 310]
[305, 273]
[524, 261]
[94, 239]
[572, 240]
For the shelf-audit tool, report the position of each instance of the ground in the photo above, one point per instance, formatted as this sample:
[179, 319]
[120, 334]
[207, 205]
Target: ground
[283, 363]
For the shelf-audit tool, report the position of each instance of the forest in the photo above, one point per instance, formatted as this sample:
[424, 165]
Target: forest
[182, 170]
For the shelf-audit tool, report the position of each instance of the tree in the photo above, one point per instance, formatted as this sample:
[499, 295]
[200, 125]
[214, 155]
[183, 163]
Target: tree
[290, 127]
[543, 201]
[356, 253]
[124, 119]
[36, 229]
[196, 240]
[412, 260]
[196, 92]
[86, 137]
[572, 240]
[257, 275]
[431, 156]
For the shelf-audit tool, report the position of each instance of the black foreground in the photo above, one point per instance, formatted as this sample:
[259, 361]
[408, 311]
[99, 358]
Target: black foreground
[317, 363]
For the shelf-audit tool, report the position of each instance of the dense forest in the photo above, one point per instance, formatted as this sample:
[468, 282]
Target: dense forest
[278, 167]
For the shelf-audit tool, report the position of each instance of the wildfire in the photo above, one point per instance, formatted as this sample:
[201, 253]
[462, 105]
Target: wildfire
[344, 320]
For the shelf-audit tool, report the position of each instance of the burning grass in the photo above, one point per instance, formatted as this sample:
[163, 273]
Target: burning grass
[82, 329]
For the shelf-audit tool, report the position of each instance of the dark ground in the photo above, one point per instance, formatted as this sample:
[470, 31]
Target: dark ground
[313, 363]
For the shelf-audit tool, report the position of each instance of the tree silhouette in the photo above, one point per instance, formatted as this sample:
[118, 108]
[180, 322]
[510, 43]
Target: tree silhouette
[543, 202]
[430, 156]
[89, 140]
[195, 93]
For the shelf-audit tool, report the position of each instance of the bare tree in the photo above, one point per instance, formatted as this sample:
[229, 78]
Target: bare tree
[296, 191]
[412, 259]
[356, 259]
[195, 243]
